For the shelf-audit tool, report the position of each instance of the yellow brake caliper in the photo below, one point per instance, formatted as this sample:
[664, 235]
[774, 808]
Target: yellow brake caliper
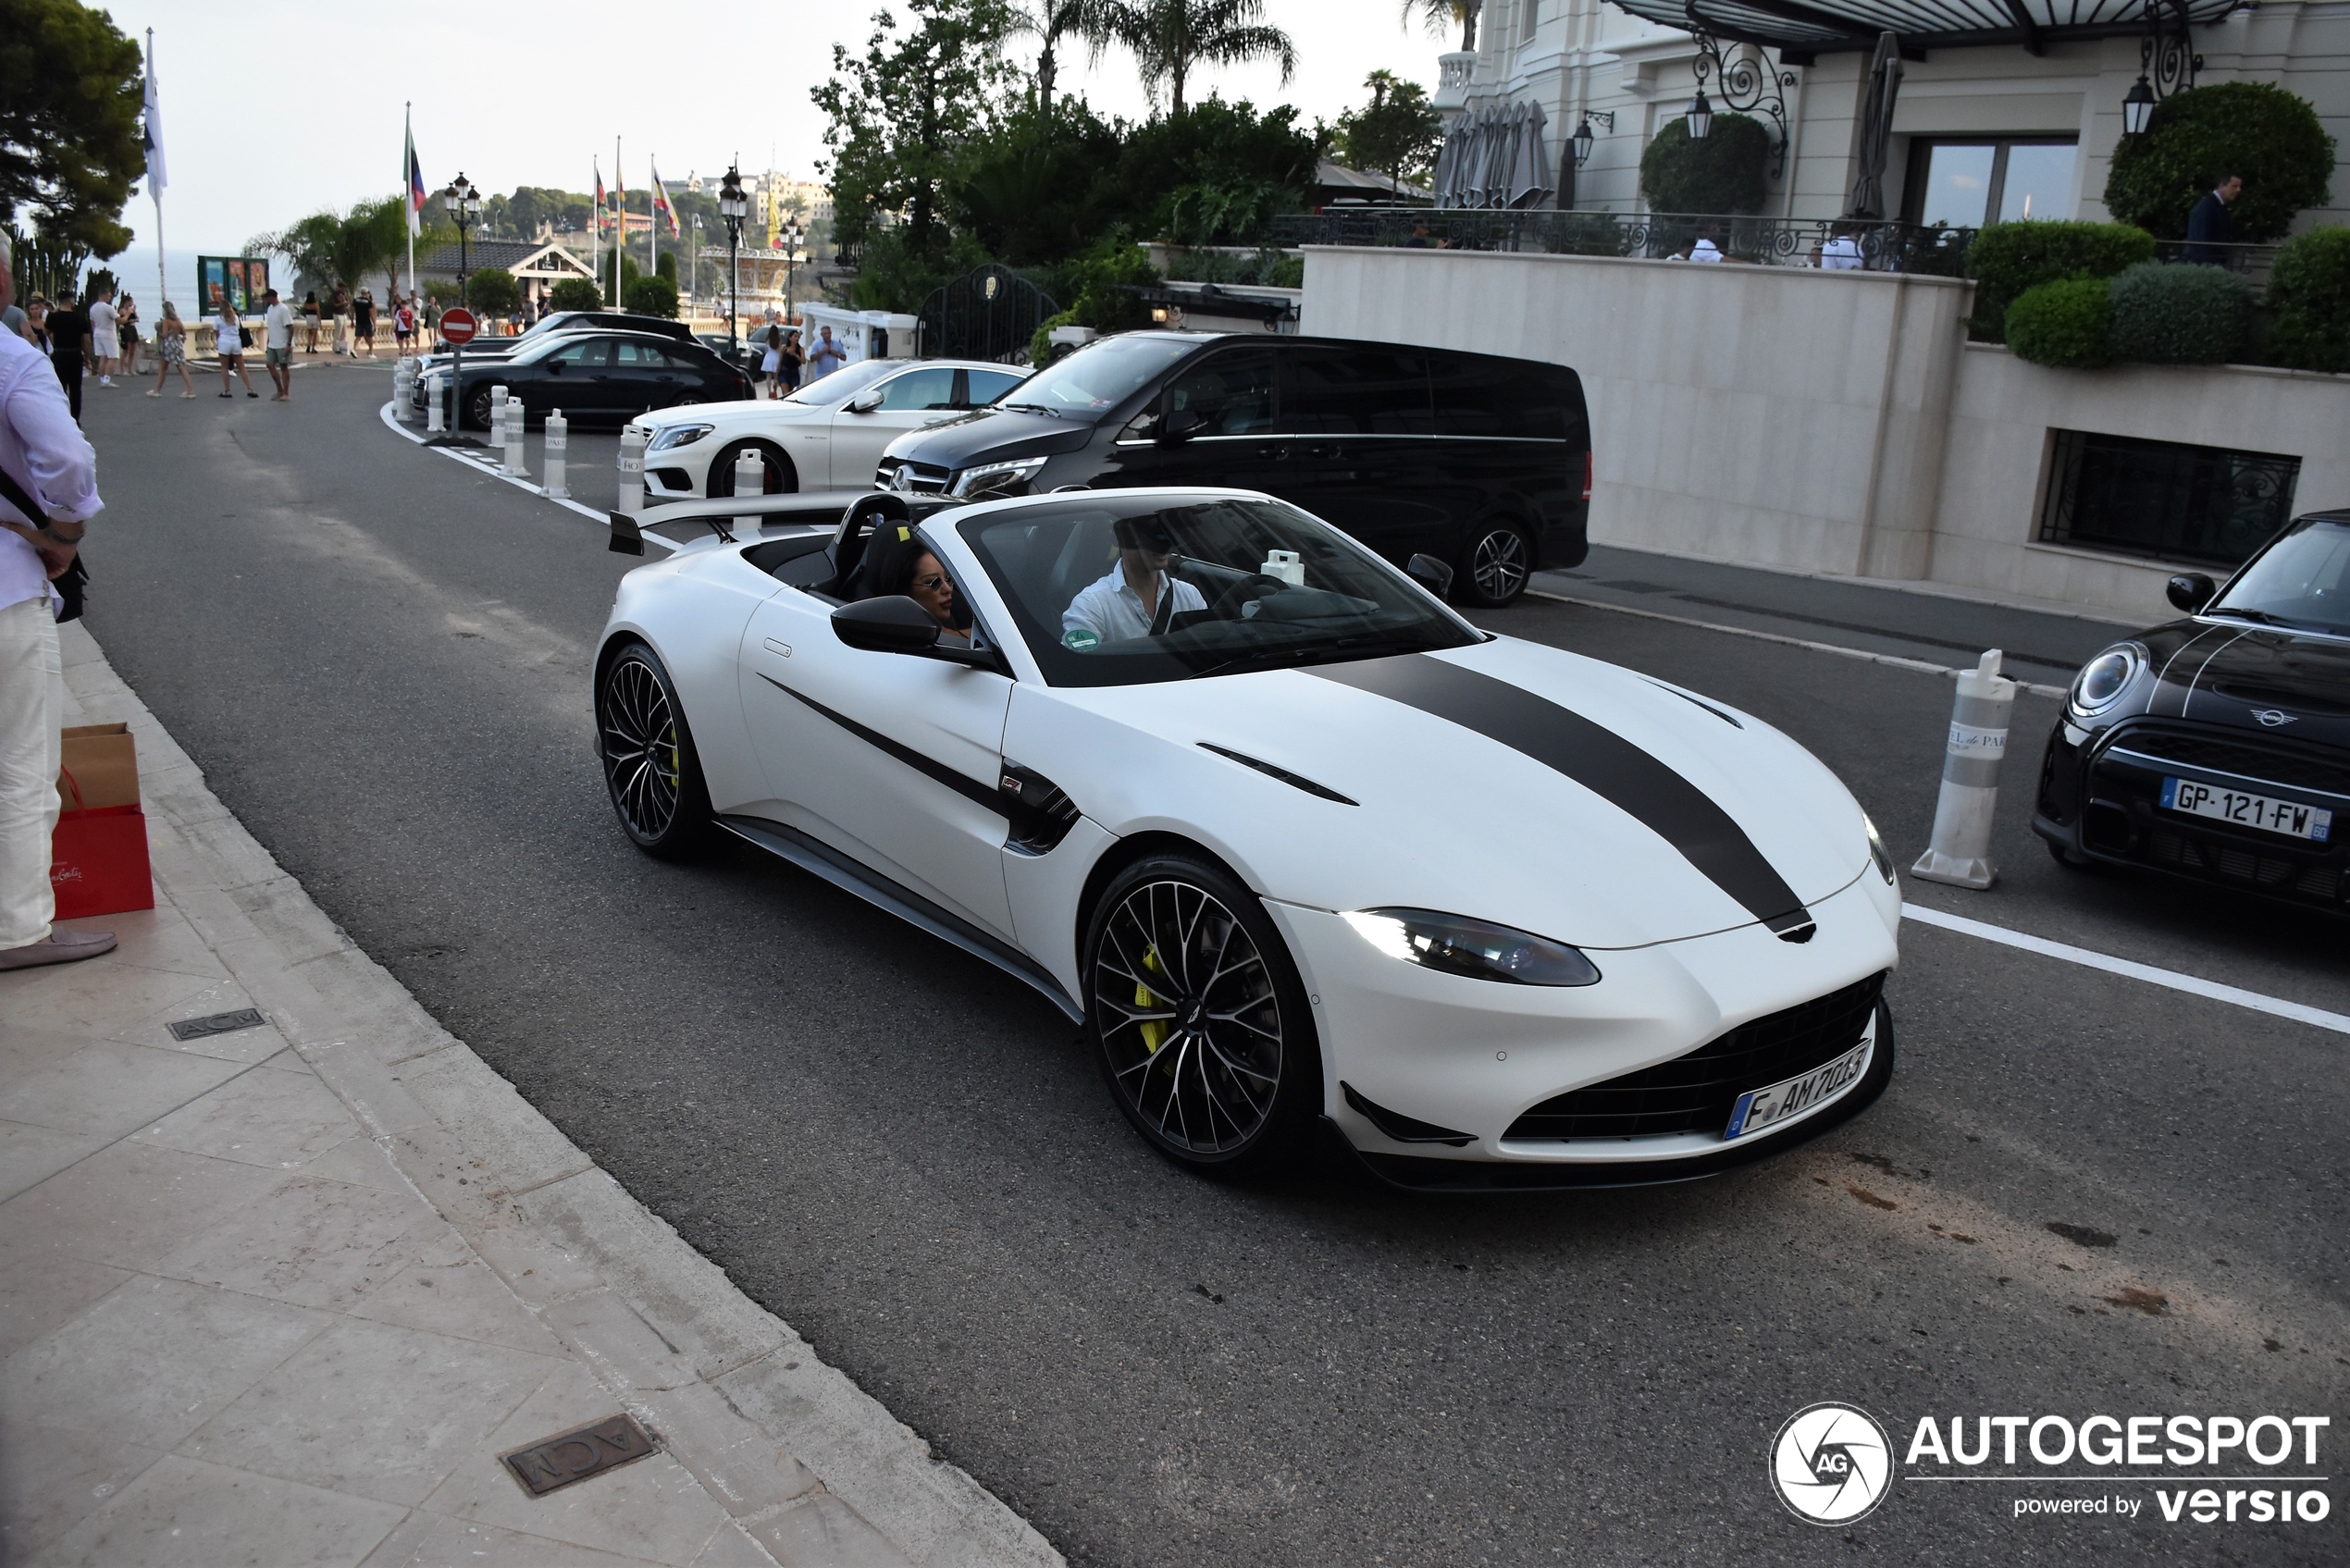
[1154, 1030]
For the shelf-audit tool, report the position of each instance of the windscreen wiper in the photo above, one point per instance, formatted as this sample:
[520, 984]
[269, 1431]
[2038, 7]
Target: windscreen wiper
[1039, 408]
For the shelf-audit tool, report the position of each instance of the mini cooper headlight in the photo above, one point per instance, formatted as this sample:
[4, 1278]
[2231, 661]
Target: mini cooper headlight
[998, 479]
[1877, 850]
[2103, 679]
[1477, 949]
[679, 436]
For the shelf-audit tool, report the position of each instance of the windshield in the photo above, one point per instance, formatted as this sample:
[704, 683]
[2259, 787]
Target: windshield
[1131, 590]
[2302, 581]
[844, 383]
[1102, 374]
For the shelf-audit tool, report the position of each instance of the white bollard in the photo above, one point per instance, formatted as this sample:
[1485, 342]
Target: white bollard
[1960, 853]
[497, 431]
[632, 469]
[517, 428]
[434, 385]
[558, 437]
[750, 479]
[404, 387]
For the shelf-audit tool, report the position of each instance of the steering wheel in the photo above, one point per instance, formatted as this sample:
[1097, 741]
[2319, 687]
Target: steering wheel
[1228, 603]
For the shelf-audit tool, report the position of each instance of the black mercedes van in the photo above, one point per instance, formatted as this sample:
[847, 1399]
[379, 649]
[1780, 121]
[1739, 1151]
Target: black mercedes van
[1477, 459]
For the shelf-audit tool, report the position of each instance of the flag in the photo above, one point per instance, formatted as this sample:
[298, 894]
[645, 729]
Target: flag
[599, 194]
[152, 133]
[415, 187]
[661, 208]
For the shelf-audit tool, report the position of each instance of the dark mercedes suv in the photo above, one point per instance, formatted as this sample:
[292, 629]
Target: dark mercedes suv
[2218, 748]
[1481, 461]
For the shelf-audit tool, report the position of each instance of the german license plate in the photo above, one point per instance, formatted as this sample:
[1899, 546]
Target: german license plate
[1758, 1109]
[2290, 818]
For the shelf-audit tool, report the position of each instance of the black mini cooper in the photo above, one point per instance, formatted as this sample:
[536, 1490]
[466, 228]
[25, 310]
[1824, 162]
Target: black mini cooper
[2218, 748]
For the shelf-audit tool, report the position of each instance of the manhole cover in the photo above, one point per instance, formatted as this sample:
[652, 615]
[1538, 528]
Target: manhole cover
[555, 1462]
[219, 1023]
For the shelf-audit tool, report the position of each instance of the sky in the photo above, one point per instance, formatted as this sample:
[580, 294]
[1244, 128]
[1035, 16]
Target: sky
[292, 106]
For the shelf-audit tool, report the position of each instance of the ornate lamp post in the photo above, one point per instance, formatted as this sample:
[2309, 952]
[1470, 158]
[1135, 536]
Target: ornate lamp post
[734, 207]
[1700, 116]
[464, 203]
[1583, 137]
[2138, 107]
[791, 234]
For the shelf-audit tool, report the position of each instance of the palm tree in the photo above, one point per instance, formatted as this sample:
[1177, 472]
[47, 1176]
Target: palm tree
[1440, 16]
[1091, 22]
[1173, 38]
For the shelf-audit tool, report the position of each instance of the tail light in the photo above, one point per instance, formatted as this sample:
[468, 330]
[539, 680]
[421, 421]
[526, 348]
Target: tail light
[1587, 474]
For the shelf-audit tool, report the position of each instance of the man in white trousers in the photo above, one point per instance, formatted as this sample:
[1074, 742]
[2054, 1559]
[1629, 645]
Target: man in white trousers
[49, 463]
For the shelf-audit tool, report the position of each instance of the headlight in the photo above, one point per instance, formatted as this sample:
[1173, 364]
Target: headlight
[679, 436]
[1877, 850]
[1477, 949]
[2103, 679]
[1002, 478]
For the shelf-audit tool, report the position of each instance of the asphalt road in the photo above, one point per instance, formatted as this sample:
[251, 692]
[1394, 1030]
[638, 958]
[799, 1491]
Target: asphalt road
[379, 659]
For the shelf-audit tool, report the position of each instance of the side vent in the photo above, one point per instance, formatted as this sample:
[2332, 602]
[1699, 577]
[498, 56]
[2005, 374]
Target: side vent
[1293, 780]
[1401, 1127]
[1041, 811]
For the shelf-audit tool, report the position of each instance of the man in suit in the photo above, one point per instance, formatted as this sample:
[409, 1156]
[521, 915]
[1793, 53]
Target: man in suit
[2208, 224]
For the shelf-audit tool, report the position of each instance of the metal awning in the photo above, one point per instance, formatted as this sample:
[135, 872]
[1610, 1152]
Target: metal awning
[1827, 27]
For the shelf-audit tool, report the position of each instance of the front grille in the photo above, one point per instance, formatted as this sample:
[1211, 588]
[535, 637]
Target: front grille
[2244, 866]
[2248, 756]
[1694, 1093]
[922, 478]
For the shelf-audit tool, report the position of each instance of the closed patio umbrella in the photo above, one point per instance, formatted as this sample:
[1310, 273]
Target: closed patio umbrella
[1876, 130]
[1530, 172]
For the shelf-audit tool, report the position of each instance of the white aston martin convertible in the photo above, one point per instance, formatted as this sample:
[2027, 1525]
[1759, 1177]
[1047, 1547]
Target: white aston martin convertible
[1309, 857]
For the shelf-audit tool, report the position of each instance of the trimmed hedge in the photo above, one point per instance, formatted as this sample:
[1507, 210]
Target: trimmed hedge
[650, 296]
[2008, 258]
[574, 294]
[2309, 302]
[1727, 172]
[2165, 315]
[2248, 127]
[2068, 323]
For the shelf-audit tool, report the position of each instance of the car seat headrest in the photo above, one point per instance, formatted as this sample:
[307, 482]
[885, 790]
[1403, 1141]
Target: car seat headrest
[865, 514]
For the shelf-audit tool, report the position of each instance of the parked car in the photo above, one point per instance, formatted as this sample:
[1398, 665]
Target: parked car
[1483, 462]
[830, 434]
[2217, 748]
[598, 378]
[1246, 842]
[556, 321]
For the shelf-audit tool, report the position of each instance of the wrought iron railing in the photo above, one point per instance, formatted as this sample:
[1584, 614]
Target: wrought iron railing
[1933, 249]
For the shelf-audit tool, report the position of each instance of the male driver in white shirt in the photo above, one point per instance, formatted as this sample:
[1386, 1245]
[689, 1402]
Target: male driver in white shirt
[1137, 598]
[277, 351]
[43, 454]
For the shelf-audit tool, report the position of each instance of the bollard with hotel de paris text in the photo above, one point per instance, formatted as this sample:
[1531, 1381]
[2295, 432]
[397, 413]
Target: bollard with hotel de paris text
[750, 479]
[404, 387]
[433, 385]
[1960, 853]
[558, 437]
[517, 431]
[632, 469]
[497, 431]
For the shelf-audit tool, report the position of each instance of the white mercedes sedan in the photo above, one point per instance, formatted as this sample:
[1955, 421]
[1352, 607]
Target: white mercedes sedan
[827, 436]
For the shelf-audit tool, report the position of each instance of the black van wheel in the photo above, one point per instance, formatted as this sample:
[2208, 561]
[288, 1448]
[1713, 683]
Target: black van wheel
[1496, 565]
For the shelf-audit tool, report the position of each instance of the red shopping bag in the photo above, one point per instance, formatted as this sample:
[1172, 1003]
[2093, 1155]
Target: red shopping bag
[98, 856]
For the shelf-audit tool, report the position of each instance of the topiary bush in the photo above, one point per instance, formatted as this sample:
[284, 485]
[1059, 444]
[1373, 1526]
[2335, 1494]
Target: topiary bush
[651, 296]
[2248, 127]
[493, 292]
[1727, 172]
[2008, 258]
[2179, 314]
[2069, 322]
[574, 294]
[2309, 302]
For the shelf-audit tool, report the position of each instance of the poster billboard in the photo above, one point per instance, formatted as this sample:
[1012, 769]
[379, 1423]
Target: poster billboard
[243, 279]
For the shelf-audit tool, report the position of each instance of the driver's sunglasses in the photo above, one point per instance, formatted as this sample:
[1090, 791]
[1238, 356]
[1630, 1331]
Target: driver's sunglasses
[931, 583]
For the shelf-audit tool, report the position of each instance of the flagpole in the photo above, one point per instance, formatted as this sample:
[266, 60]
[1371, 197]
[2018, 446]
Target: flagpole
[408, 186]
[652, 204]
[596, 233]
[620, 229]
[162, 276]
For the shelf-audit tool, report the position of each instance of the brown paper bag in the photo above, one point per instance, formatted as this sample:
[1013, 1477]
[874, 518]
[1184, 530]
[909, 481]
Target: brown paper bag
[104, 765]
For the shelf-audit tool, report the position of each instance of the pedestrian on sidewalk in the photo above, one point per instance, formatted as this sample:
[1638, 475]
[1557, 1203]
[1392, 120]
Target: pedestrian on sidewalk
[403, 327]
[36, 322]
[310, 322]
[171, 352]
[795, 363]
[104, 346]
[14, 320]
[363, 321]
[825, 357]
[231, 328]
[68, 332]
[2210, 224]
[277, 352]
[48, 493]
[126, 327]
[341, 309]
[771, 364]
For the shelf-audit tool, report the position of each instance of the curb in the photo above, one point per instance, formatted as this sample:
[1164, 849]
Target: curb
[723, 1382]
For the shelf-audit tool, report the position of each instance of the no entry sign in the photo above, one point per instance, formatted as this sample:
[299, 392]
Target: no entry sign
[458, 326]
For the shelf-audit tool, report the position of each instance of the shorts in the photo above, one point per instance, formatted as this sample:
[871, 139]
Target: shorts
[278, 356]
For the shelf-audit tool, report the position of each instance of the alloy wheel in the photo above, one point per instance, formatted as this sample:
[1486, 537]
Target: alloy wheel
[639, 732]
[1190, 1024]
[1499, 564]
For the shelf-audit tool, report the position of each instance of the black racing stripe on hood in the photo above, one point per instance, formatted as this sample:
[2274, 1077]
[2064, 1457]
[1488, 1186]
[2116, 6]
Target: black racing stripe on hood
[1598, 759]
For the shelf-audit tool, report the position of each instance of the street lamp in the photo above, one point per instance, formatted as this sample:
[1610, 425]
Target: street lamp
[791, 234]
[1700, 116]
[734, 207]
[2138, 108]
[693, 263]
[464, 203]
[1583, 137]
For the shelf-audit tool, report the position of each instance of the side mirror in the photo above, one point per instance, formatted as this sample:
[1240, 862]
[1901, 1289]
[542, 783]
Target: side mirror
[1430, 573]
[895, 624]
[2191, 591]
[1182, 425]
[865, 403]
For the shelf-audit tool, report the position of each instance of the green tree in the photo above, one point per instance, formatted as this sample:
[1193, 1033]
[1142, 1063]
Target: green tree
[341, 248]
[1443, 15]
[900, 111]
[574, 294]
[70, 88]
[667, 267]
[651, 296]
[1396, 134]
[2194, 138]
[1725, 172]
[1091, 22]
[493, 292]
[1172, 39]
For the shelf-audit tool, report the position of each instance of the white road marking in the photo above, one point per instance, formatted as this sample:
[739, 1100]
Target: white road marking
[2170, 979]
[1842, 651]
[489, 465]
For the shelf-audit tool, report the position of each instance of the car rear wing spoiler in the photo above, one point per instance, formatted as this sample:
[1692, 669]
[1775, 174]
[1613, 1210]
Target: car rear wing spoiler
[731, 517]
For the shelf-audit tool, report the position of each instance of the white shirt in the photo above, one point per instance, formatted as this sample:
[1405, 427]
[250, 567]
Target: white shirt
[1110, 610]
[1841, 255]
[1704, 251]
[102, 320]
[44, 452]
[224, 324]
[280, 319]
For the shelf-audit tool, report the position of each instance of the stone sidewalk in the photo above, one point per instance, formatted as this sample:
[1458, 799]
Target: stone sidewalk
[286, 1293]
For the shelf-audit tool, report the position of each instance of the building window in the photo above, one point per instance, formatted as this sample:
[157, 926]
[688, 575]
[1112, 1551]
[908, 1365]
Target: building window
[2165, 499]
[1967, 184]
